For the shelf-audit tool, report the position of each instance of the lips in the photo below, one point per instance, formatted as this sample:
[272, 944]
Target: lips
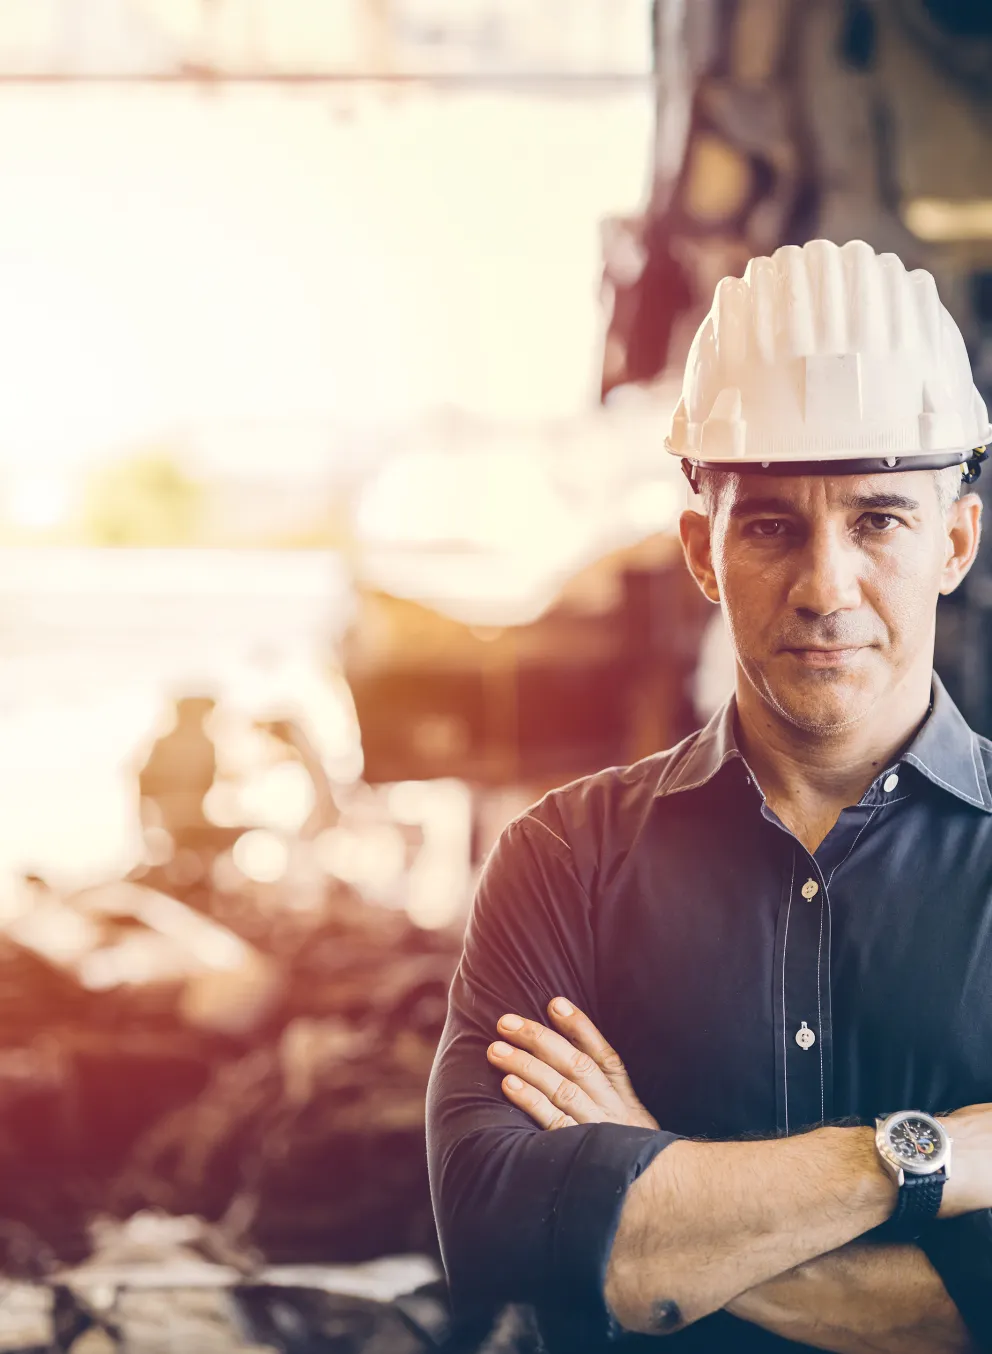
[824, 658]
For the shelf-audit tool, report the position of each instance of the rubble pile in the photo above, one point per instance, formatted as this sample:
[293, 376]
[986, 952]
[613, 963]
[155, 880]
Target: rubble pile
[155, 1284]
[304, 1132]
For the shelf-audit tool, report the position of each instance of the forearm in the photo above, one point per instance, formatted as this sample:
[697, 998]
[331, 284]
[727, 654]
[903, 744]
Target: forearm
[860, 1299]
[708, 1221]
[960, 1250]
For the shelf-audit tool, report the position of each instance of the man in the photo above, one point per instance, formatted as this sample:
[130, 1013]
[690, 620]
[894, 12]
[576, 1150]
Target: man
[178, 773]
[777, 932]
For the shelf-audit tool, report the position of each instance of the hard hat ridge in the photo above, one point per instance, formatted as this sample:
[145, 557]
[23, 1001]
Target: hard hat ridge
[822, 354]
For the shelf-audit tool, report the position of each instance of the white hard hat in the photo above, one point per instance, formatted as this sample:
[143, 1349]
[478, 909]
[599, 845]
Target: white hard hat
[829, 354]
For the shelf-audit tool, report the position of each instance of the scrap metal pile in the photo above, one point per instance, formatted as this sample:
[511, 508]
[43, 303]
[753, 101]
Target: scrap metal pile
[167, 1174]
[279, 1098]
[254, 1319]
[156, 1284]
[308, 1124]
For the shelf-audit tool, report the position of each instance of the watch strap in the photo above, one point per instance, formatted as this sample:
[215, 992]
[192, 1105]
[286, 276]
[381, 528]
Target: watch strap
[918, 1203]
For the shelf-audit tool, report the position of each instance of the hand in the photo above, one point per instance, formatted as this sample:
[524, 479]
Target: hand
[565, 1076]
[969, 1184]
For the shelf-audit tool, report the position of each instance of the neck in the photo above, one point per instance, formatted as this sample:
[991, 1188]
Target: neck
[807, 777]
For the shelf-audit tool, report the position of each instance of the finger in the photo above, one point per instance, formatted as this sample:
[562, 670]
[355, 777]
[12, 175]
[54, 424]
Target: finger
[563, 1094]
[535, 1103]
[580, 1031]
[556, 1052]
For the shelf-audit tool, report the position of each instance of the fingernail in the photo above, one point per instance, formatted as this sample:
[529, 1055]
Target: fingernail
[502, 1050]
[561, 1007]
[511, 1022]
[513, 1082]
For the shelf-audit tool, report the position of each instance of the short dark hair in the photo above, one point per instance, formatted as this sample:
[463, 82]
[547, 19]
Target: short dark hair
[711, 483]
[949, 486]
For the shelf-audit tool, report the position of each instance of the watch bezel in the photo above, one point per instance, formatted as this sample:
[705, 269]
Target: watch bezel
[941, 1160]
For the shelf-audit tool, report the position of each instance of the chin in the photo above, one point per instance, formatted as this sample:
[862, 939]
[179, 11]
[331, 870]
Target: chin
[823, 702]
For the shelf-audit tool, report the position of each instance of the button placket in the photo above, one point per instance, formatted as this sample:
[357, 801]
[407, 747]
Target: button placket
[804, 972]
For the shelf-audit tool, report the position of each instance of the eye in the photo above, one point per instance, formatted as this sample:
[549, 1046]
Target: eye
[766, 528]
[880, 522]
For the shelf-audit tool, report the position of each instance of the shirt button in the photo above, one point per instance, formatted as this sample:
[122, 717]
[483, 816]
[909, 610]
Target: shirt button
[890, 783]
[810, 889]
[805, 1037]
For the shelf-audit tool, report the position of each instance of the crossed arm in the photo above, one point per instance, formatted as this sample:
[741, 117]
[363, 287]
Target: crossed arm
[803, 1274]
[857, 1299]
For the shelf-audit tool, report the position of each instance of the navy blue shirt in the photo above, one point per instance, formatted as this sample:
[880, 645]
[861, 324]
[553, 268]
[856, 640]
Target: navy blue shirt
[674, 907]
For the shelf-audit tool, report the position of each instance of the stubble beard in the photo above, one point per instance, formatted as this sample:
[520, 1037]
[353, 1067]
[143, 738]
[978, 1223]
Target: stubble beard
[818, 705]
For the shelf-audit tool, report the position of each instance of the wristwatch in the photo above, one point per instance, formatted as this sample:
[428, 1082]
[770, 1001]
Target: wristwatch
[915, 1151]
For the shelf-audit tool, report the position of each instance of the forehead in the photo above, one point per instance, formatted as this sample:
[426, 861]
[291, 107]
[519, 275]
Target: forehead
[814, 495]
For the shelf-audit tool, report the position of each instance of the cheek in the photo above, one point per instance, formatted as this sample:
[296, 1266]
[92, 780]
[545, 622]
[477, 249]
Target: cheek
[756, 580]
[902, 587]
[752, 600]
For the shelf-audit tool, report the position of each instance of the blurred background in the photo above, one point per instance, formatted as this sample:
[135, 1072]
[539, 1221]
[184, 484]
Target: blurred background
[338, 340]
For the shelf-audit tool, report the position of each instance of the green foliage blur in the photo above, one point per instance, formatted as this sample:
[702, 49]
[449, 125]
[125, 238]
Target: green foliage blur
[147, 499]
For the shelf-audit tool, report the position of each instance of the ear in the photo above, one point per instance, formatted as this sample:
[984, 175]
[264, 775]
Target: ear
[694, 528]
[964, 531]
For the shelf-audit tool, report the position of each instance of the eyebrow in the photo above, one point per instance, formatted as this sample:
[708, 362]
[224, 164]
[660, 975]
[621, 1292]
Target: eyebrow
[881, 502]
[878, 502]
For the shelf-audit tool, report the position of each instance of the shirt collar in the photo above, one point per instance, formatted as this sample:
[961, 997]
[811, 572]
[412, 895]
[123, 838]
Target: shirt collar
[945, 750]
[708, 751]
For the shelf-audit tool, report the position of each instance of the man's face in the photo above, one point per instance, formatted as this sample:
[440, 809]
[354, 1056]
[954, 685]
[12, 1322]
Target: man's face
[829, 584]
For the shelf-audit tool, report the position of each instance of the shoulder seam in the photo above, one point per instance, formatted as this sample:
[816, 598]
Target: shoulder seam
[540, 822]
[673, 762]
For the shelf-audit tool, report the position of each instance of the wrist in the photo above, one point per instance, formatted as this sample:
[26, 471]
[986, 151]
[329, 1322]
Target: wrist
[948, 1200]
[957, 1196]
[874, 1190]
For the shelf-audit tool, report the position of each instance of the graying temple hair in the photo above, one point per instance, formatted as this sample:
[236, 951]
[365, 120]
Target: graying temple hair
[949, 485]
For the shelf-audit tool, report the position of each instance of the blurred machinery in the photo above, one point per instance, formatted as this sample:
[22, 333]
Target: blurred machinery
[782, 120]
[777, 120]
[602, 677]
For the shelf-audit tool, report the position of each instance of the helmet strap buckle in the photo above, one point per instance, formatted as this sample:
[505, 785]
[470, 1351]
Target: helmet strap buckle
[972, 468]
[689, 471]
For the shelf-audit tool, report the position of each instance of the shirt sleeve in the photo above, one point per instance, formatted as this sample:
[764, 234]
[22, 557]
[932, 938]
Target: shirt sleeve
[960, 1250]
[524, 1214]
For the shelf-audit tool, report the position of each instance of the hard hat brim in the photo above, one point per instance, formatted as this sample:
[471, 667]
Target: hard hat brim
[838, 465]
[970, 462]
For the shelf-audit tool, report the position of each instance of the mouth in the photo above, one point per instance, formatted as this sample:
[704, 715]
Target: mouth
[825, 658]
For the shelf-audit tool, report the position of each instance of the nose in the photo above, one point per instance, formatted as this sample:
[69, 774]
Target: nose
[828, 576]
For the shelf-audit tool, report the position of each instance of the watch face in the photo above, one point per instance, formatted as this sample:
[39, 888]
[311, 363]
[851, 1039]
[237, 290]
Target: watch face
[917, 1143]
